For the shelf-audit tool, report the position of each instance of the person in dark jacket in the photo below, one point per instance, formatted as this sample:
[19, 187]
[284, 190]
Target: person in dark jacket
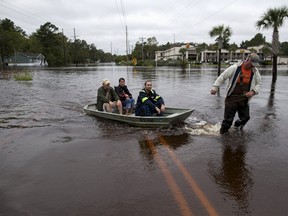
[107, 99]
[149, 102]
[125, 96]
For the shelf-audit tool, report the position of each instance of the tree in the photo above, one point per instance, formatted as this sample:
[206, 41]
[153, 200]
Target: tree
[151, 47]
[166, 46]
[223, 38]
[184, 62]
[223, 33]
[93, 53]
[284, 48]
[137, 51]
[273, 18]
[12, 38]
[244, 44]
[51, 42]
[266, 50]
[145, 50]
[258, 40]
[200, 48]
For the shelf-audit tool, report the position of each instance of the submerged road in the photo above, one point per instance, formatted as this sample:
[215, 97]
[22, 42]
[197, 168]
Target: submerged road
[56, 160]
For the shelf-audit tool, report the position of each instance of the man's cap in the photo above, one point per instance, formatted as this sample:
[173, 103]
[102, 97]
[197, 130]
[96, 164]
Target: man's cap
[105, 82]
[254, 58]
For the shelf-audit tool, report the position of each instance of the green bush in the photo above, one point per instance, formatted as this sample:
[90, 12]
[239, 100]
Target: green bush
[23, 76]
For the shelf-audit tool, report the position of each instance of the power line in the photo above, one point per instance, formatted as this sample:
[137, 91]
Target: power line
[123, 11]
[176, 14]
[16, 9]
[216, 12]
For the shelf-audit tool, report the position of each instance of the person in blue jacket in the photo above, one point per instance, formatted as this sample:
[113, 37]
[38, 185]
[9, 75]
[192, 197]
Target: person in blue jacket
[149, 102]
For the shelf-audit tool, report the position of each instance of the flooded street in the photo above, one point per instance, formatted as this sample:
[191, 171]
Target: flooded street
[56, 160]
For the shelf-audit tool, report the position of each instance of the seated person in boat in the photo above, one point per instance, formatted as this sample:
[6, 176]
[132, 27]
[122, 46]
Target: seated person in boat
[107, 99]
[149, 102]
[125, 96]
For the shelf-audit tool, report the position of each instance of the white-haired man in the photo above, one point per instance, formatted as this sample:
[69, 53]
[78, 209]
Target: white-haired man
[107, 99]
[244, 81]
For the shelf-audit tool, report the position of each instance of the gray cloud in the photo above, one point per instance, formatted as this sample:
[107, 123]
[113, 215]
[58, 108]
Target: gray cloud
[103, 22]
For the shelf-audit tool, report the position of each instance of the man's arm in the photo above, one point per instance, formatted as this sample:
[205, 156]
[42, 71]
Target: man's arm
[223, 76]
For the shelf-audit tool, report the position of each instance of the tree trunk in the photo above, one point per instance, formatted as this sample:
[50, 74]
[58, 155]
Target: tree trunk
[275, 51]
[274, 69]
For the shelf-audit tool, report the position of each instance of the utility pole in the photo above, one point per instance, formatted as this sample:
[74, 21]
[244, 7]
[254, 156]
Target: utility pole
[111, 47]
[174, 57]
[174, 38]
[75, 47]
[142, 39]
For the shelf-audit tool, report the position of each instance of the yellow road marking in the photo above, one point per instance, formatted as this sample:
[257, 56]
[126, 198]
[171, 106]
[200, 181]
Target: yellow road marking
[192, 183]
[182, 203]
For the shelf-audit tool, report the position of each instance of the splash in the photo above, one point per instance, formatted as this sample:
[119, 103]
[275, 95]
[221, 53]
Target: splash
[203, 128]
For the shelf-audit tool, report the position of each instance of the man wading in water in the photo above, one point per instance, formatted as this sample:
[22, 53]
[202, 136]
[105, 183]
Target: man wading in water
[244, 81]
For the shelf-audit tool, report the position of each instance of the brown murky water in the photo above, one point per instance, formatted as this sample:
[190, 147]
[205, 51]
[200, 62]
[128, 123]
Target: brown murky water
[55, 160]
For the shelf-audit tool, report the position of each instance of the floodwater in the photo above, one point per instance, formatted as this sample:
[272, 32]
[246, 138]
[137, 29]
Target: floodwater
[56, 160]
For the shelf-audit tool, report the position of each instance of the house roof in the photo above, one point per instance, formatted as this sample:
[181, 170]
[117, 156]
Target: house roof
[30, 55]
[20, 57]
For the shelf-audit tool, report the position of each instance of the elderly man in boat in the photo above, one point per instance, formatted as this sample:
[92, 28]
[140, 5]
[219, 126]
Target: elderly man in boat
[107, 99]
[149, 102]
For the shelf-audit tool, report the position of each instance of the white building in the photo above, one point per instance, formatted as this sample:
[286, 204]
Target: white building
[174, 53]
[207, 55]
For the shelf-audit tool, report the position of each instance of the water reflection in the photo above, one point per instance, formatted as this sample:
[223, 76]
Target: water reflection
[173, 142]
[271, 96]
[267, 123]
[233, 175]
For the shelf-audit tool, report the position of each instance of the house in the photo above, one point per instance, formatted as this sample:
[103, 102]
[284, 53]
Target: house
[25, 59]
[174, 53]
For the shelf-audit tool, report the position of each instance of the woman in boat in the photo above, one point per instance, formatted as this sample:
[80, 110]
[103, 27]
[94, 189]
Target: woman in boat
[125, 96]
[149, 102]
[107, 99]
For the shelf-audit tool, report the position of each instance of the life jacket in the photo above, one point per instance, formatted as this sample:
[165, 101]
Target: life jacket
[244, 76]
[242, 79]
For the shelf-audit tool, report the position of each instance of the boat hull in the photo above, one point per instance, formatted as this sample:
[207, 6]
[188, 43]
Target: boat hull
[172, 116]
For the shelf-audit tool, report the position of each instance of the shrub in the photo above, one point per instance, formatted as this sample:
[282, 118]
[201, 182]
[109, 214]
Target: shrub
[23, 76]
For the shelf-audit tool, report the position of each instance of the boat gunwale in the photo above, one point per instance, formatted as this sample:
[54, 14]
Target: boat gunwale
[142, 121]
[184, 111]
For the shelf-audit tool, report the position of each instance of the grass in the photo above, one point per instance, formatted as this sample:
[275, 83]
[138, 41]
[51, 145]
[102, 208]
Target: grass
[23, 76]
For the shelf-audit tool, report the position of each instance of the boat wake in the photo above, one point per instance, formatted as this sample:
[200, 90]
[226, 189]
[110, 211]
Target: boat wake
[200, 127]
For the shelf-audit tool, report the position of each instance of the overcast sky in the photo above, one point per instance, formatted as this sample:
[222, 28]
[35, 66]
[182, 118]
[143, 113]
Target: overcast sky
[103, 22]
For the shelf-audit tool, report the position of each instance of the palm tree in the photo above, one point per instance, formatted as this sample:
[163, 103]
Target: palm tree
[273, 18]
[232, 49]
[182, 51]
[266, 50]
[183, 63]
[223, 38]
